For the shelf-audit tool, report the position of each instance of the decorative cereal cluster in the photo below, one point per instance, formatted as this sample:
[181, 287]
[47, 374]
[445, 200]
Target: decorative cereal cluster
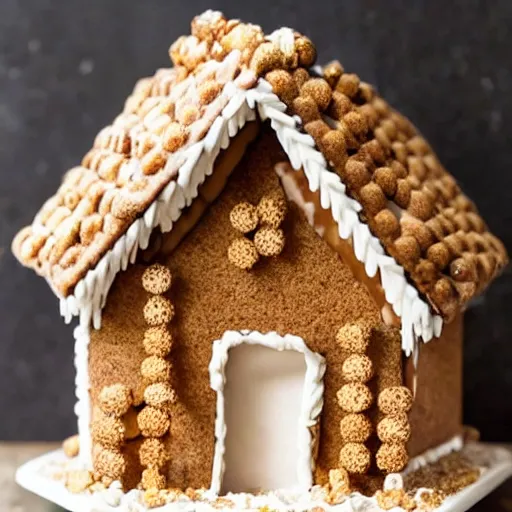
[154, 419]
[440, 238]
[268, 240]
[393, 429]
[355, 397]
[214, 37]
[108, 431]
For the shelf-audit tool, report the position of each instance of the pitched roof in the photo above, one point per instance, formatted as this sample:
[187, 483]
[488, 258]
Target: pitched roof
[173, 119]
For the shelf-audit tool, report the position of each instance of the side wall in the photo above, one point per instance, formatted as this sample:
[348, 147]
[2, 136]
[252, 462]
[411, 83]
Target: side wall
[436, 415]
[305, 291]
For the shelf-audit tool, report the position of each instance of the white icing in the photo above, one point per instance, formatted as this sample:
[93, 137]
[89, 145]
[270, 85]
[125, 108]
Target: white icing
[82, 388]
[434, 454]
[312, 398]
[45, 476]
[284, 38]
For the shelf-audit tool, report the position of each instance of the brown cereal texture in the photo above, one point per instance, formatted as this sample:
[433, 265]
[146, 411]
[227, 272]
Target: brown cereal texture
[156, 279]
[354, 397]
[159, 395]
[158, 311]
[394, 429]
[153, 453]
[354, 337]
[269, 241]
[242, 253]
[394, 400]
[109, 463]
[357, 368]
[355, 428]
[244, 217]
[153, 479]
[157, 341]
[115, 399]
[272, 209]
[382, 158]
[153, 422]
[391, 457]
[108, 431]
[155, 369]
[355, 458]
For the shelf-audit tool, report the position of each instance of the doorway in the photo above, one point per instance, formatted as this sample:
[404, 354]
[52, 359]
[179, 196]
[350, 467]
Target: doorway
[269, 395]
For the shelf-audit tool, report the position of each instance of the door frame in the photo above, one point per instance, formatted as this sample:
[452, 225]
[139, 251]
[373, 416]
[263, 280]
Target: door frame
[312, 397]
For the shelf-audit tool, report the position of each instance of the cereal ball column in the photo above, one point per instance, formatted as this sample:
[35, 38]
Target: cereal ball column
[394, 429]
[154, 419]
[355, 398]
[108, 432]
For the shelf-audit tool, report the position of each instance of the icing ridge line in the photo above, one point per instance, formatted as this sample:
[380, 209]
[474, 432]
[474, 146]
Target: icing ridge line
[82, 388]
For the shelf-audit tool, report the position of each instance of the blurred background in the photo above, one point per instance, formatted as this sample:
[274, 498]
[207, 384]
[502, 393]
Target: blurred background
[67, 66]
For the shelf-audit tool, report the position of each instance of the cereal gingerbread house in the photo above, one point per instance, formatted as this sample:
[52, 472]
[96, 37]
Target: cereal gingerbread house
[270, 267]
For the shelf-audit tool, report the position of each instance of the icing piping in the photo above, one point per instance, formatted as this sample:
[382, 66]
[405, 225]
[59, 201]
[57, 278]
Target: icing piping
[82, 388]
[312, 399]
[91, 292]
[417, 319]
[434, 454]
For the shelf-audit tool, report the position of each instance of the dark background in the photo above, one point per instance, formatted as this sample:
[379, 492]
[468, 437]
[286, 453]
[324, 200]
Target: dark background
[66, 67]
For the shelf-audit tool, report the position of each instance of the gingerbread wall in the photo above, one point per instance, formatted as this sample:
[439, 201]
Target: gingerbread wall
[436, 415]
[305, 291]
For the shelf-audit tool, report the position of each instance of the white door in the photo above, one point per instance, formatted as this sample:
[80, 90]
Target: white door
[269, 393]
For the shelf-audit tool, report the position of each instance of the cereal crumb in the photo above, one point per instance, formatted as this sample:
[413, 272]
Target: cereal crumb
[71, 446]
[78, 481]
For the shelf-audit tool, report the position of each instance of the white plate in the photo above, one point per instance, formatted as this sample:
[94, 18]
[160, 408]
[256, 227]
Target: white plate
[35, 476]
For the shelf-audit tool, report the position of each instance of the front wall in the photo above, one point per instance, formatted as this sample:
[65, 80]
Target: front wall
[305, 291]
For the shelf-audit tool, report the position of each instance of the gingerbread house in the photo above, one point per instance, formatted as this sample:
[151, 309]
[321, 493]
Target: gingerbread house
[269, 266]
